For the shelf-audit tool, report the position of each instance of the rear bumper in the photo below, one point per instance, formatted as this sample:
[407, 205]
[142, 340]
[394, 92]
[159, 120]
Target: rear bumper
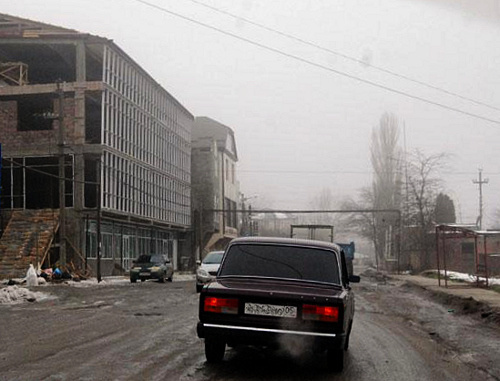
[268, 336]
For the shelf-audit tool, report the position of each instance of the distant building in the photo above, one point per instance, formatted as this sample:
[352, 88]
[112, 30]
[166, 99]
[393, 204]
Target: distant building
[120, 128]
[214, 183]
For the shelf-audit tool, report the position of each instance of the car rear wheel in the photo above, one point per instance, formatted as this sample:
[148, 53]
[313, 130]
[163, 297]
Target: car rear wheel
[346, 345]
[143, 279]
[170, 278]
[133, 280]
[214, 350]
[335, 359]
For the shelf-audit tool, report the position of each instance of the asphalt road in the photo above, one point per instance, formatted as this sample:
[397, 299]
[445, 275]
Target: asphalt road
[146, 331]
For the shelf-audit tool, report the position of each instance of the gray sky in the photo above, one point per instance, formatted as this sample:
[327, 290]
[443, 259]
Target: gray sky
[300, 128]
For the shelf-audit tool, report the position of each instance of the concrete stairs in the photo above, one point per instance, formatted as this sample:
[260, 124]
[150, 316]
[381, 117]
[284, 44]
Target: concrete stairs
[26, 239]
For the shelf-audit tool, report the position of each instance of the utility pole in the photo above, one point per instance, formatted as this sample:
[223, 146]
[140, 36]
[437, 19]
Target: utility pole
[98, 210]
[62, 175]
[480, 183]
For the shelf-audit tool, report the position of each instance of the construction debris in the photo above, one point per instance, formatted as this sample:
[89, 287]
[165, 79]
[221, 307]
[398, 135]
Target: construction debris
[31, 277]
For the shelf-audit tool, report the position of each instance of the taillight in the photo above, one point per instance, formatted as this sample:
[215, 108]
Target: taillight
[221, 305]
[321, 313]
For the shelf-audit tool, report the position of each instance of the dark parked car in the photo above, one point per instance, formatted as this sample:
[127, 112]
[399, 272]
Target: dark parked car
[269, 290]
[155, 266]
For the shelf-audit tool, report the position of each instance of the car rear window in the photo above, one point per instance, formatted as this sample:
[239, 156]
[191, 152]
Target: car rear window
[275, 261]
[214, 257]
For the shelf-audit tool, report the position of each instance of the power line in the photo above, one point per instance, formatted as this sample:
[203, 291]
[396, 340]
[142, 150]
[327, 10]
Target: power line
[302, 172]
[343, 55]
[306, 61]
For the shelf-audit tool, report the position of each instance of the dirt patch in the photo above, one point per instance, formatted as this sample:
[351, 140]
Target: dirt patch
[465, 306]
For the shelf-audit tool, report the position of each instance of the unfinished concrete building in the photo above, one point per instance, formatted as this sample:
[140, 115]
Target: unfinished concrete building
[75, 106]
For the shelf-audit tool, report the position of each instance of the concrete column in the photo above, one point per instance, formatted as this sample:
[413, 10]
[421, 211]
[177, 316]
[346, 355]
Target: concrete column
[81, 69]
[175, 253]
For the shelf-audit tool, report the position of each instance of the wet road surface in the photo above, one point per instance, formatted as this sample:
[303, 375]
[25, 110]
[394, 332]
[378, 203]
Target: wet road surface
[146, 331]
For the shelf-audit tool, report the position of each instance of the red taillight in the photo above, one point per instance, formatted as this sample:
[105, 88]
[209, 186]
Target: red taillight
[221, 305]
[321, 313]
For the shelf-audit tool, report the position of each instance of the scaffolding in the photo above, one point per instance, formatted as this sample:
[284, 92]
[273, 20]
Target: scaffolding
[446, 232]
[14, 73]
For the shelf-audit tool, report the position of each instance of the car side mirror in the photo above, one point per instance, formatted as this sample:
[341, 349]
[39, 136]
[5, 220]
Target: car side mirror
[198, 262]
[354, 278]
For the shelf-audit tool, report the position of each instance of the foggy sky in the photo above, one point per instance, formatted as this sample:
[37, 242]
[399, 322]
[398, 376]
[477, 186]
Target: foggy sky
[300, 128]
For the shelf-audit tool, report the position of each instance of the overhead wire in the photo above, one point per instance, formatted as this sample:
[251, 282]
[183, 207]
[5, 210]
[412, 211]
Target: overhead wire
[318, 65]
[343, 55]
[301, 172]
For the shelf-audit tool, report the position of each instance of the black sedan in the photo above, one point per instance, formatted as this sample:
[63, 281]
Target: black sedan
[152, 266]
[271, 292]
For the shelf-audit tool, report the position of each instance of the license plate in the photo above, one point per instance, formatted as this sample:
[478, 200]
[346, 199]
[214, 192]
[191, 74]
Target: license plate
[270, 310]
[144, 274]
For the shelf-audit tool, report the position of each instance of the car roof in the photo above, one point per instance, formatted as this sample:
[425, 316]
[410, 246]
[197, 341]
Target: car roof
[286, 241]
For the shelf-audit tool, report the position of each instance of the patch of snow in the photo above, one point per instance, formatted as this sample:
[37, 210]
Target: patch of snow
[92, 282]
[122, 280]
[16, 295]
[469, 278]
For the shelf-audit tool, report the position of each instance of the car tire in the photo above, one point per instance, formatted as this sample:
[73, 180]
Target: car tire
[133, 280]
[346, 345]
[143, 279]
[170, 278]
[214, 350]
[162, 278]
[335, 360]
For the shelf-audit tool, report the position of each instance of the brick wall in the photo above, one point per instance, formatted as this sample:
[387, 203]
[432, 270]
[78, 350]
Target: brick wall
[20, 143]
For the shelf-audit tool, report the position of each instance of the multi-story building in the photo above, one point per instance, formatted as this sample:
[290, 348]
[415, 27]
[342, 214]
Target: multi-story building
[214, 184]
[123, 142]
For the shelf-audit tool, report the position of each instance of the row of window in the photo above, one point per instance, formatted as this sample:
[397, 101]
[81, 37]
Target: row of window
[123, 76]
[131, 188]
[131, 130]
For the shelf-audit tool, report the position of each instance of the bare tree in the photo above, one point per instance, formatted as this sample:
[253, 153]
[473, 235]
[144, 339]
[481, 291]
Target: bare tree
[386, 158]
[424, 185]
[384, 193]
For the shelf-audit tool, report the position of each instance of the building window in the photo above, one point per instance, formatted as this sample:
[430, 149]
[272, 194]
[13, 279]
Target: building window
[35, 112]
[233, 177]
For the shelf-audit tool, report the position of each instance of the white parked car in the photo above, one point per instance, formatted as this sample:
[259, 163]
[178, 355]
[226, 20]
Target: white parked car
[207, 269]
